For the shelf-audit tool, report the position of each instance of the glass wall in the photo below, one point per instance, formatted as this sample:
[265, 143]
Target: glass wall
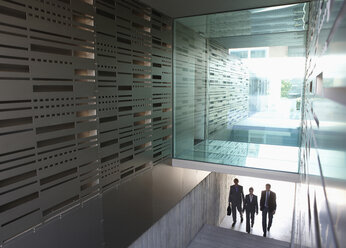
[238, 83]
[320, 218]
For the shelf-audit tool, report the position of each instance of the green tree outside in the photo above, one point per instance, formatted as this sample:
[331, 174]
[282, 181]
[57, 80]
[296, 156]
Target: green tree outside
[285, 88]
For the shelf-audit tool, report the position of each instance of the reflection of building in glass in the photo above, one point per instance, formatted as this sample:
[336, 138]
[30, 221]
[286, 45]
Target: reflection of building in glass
[296, 88]
[246, 53]
[258, 92]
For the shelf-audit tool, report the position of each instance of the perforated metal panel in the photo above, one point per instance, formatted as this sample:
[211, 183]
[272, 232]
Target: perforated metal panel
[228, 89]
[190, 86]
[211, 90]
[85, 102]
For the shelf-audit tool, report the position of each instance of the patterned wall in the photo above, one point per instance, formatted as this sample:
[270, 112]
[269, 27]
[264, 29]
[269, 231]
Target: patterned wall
[320, 218]
[85, 102]
[228, 89]
[190, 86]
[211, 89]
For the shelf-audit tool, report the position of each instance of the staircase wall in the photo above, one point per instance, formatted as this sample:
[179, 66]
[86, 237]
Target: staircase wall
[205, 204]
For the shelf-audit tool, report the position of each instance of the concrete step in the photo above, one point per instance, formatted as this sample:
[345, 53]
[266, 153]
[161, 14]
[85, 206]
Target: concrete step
[218, 237]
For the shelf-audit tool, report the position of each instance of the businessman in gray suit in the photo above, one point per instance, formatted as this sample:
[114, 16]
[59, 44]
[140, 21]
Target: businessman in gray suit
[236, 198]
[251, 207]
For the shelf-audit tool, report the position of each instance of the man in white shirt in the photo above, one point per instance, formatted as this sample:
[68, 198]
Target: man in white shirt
[268, 207]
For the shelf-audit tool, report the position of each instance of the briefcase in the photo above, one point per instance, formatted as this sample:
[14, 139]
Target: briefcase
[229, 210]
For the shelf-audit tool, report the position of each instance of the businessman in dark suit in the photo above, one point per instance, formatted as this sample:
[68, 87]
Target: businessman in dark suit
[251, 207]
[236, 198]
[268, 207]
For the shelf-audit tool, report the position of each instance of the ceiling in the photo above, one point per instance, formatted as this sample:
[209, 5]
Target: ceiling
[262, 27]
[183, 8]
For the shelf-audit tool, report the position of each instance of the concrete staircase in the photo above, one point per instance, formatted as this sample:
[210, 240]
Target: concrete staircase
[218, 237]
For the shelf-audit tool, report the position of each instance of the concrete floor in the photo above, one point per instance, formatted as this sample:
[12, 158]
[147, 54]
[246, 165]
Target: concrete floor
[217, 237]
[282, 220]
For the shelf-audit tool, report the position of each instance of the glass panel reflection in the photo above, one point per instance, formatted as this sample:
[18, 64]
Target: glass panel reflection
[238, 87]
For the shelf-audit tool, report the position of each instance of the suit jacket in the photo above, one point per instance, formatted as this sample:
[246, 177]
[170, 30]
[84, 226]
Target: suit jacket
[236, 197]
[271, 201]
[251, 206]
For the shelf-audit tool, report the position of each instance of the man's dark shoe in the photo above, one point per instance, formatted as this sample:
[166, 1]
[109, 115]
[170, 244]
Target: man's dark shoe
[268, 228]
[264, 235]
[233, 224]
[241, 219]
[251, 225]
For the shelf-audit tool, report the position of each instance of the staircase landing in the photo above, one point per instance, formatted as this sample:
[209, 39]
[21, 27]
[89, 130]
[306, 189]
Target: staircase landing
[218, 237]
